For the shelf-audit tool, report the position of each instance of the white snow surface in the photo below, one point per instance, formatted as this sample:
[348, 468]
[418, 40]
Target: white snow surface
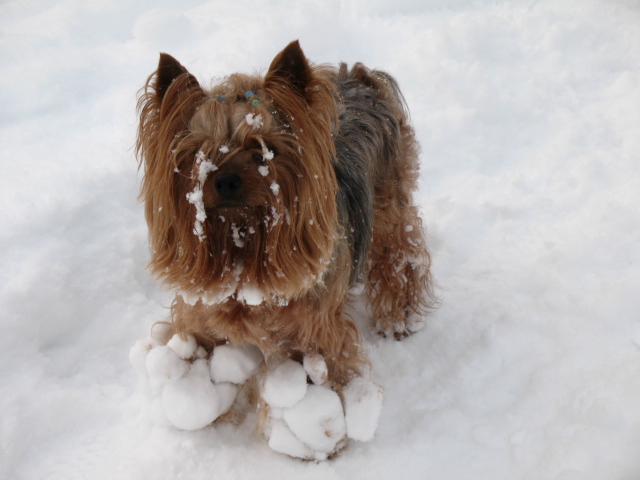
[528, 115]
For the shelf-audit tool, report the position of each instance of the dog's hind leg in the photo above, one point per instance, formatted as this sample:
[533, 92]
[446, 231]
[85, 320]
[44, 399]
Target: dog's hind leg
[399, 284]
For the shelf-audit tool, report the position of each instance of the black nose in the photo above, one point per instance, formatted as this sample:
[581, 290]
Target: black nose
[228, 185]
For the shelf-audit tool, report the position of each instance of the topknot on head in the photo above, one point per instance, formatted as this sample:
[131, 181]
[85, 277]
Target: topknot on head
[249, 95]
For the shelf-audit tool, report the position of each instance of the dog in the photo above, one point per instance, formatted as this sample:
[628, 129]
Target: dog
[269, 200]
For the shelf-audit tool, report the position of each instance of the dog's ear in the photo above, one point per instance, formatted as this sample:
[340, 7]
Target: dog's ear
[168, 70]
[292, 67]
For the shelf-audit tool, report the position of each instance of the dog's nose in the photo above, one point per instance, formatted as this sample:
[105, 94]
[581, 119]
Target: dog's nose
[228, 185]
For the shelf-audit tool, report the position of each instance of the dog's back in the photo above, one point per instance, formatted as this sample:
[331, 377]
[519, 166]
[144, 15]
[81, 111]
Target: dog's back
[371, 147]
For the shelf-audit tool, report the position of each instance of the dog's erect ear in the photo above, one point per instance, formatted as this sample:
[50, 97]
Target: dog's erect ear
[168, 70]
[291, 66]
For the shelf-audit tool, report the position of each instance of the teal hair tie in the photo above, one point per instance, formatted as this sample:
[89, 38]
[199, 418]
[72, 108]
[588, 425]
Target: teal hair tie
[220, 98]
[250, 94]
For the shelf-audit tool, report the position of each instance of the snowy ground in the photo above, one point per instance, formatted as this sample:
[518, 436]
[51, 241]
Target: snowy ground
[529, 119]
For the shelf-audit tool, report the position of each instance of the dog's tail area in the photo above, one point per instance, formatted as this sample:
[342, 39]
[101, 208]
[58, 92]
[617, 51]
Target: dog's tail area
[379, 81]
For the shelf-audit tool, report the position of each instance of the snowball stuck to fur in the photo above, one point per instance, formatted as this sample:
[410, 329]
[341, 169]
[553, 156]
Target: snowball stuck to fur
[316, 368]
[227, 394]
[285, 385]
[184, 348]
[161, 333]
[317, 419]
[193, 401]
[362, 405]
[234, 364]
[282, 440]
[254, 120]
[138, 355]
[250, 295]
[164, 365]
[200, 352]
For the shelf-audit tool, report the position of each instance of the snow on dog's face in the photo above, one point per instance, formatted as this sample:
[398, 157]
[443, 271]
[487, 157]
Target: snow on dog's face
[238, 184]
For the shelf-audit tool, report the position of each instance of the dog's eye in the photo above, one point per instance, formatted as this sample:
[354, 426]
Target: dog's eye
[257, 157]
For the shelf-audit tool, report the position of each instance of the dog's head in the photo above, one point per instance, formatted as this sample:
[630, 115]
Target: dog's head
[238, 186]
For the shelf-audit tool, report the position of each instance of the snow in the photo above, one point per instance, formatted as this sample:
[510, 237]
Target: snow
[529, 122]
[234, 364]
[362, 406]
[193, 401]
[184, 348]
[250, 294]
[285, 385]
[317, 420]
[316, 368]
[177, 379]
[164, 365]
[254, 120]
[195, 197]
[284, 441]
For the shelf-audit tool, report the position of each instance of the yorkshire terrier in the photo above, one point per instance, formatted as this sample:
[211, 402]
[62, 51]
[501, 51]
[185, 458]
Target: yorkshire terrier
[270, 200]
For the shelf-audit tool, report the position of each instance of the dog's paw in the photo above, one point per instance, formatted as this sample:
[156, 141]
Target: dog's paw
[310, 421]
[188, 388]
[412, 323]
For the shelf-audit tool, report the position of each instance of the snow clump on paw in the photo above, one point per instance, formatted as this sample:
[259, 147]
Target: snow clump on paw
[187, 387]
[138, 356]
[184, 348]
[193, 401]
[306, 421]
[316, 368]
[312, 422]
[161, 332]
[234, 364]
[164, 365]
[362, 405]
[285, 385]
[282, 440]
[318, 421]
